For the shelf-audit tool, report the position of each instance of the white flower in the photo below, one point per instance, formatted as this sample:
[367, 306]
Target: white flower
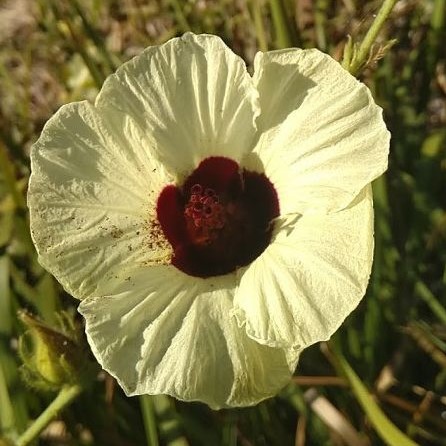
[212, 224]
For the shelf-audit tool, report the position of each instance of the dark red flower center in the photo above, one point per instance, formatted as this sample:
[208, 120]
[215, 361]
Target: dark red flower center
[220, 219]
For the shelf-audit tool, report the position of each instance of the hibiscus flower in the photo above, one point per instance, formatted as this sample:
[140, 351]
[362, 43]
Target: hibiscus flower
[213, 224]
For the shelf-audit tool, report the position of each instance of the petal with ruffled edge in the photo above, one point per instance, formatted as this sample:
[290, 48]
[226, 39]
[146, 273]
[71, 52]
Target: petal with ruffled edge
[323, 136]
[176, 333]
[91, 195]
[188, 99]
[309, 279]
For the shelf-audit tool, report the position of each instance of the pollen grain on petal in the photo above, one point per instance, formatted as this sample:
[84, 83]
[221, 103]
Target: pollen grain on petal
[157, 243]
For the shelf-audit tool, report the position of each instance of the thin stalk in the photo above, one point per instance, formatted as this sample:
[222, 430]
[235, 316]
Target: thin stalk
[65, 397]
[148, 416]
[411, 408]
[7, 416]
[78, 43]
[283, 35]
[434, 304]
[6, 320]
[230, 429]
[180, 17]
[22, 286]
[94, 36]
[259, 25]
[438, 16]
[348, 53]
[169, 424]
[363, 52]
[320, 23]
[422, 339]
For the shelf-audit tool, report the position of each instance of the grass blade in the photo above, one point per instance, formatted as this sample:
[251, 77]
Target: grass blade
[388, 432]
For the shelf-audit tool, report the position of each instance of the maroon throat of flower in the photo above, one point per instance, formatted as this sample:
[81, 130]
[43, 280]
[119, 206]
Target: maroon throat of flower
[220, 219]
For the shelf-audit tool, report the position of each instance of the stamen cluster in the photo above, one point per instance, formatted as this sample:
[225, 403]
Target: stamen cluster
[205, 210]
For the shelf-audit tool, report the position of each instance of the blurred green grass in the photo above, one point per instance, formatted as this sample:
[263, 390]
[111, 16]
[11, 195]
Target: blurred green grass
[53, 52]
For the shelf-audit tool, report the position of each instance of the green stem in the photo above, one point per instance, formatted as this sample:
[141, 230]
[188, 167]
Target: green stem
[426, 294]
[438, 18]
[78, 43]
[230, 429]
[283, 36]
[179, 15]
[259, 26]
[320, 23]
[363, 52]
[94, 36]
[148, 416]
[438, 15]
[65, 397]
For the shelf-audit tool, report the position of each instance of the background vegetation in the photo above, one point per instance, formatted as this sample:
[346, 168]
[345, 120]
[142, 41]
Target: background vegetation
[393, 347]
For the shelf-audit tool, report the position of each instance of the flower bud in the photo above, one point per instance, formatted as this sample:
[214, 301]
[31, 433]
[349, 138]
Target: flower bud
[51, 358]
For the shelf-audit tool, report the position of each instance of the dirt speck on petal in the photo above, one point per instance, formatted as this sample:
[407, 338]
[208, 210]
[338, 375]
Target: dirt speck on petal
[116, 232]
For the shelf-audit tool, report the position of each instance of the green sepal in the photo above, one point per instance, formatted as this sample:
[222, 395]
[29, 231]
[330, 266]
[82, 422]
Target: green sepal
[53, 357]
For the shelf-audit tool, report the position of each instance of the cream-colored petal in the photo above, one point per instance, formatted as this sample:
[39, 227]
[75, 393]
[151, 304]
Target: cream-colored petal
[309, 279]
[323, 136]
[188, 99]
[162, 331]
[91, 198]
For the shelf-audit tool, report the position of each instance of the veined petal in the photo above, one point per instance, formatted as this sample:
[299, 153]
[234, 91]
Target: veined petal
[188, 99]
[323, 136]
[176, 333]
[92, 200]
[308, 280]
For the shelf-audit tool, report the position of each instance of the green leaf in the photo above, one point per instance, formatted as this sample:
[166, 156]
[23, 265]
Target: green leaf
[5, 297]
[7, 420]
[388, 432]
